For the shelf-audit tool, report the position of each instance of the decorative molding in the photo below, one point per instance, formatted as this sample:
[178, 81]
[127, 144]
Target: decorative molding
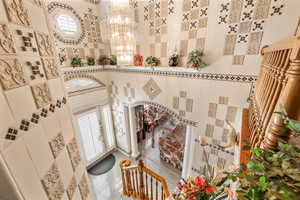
[78, 75]
[93, 1]
[167, 110]
[17, 13]
[11, 73]
[6, 41]
[51, 68]
[44, 43]
[41, 94]
[180, 73]
[54, 5]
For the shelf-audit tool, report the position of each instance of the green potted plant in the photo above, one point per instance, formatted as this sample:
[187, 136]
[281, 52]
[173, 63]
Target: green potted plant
[91, 61]
[195, 59]
[77, 62]
[272, 175]
[103, 60]
[152, 61]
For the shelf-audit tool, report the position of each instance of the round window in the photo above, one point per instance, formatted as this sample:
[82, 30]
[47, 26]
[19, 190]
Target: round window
[67, 24]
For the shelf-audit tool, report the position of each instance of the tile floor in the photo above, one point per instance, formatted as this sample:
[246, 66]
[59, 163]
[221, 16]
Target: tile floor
[109, 185]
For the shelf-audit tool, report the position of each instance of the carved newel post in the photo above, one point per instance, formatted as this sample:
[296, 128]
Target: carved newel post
[290, 98]
[142, 187]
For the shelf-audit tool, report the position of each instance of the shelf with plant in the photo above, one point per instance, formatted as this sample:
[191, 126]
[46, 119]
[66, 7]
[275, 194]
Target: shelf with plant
[103, 60]
[195, 59]
[77, 62]
[271, 175]
[152, 61]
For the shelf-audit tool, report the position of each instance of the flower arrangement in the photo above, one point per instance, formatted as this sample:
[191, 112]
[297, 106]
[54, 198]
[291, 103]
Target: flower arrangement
[112, 60]
[174, 59]
[103, 60]
[91, 61]
[152, 61]
[271, 175]
[195, 59]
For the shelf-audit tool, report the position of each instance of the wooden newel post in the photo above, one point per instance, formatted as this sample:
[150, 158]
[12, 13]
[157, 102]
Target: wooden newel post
[290, 98]
[141, 187]
[127, 190]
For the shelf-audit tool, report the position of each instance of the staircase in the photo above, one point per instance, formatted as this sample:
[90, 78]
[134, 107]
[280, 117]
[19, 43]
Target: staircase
[142, 183]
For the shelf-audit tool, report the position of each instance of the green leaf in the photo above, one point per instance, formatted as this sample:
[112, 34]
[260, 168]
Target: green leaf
[257, 151]
[263, 183]
[246, 148]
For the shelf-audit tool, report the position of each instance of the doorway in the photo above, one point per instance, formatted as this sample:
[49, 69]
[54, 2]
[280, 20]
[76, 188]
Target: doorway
[92, 134]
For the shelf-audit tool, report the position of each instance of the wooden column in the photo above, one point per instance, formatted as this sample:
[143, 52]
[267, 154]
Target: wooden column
[141, 175]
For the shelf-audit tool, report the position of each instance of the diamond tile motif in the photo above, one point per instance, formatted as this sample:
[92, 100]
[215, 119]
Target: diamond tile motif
[84, 188]
[53, 184]
[71, 188]
[57, 144]
[74, 153]
[152, 89]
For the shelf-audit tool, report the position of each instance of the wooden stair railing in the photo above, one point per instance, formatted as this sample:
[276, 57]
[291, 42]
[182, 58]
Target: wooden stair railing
[140, 182]
[278, 83]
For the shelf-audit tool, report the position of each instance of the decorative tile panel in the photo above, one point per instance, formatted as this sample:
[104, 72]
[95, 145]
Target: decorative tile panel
[17, 13]
[84, 188]
[11, 73]
[71, 188]
[45, 44]
[53, 184]
[25, 42]
[51, 68]
[182, 103]
[57, 144]
[6, 41]
[152, 89]
[41, 94]
[74, 153]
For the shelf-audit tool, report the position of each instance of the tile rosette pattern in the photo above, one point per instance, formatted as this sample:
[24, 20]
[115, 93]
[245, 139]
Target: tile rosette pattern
[41, 94]
[57, 144]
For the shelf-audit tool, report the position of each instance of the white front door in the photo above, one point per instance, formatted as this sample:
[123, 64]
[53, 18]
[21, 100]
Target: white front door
[91, 134]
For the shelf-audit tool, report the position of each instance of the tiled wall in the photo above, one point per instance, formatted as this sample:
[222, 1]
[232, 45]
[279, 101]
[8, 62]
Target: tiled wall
[92, 43]
[37, 140]
[230, 32]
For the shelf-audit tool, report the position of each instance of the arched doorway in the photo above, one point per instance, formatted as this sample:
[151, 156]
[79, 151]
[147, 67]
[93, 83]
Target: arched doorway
[157, 132]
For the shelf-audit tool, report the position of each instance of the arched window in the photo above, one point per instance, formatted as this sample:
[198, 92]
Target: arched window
[67, 24]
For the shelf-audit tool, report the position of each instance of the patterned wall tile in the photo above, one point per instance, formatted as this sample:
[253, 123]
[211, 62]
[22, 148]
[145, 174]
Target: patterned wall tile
[50, 68]
[11, 73]
[74, 153]
[262, 9]
[25, 42]
[183, 104]
[229, 46]
[238, 60]
[235, 11]
[152, 89]
[45, 44]
[71, 188]
[84, 188]
[6, 42]
[57, 144]
[53, 184]
[41, 94]
[129, 92]
[17, 13]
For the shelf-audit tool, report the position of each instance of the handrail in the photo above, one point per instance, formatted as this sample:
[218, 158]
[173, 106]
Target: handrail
[136, 182]
[278, 83]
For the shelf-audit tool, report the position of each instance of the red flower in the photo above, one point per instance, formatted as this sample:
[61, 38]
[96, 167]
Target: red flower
[200, 182]
[209, 189]
[192, 197]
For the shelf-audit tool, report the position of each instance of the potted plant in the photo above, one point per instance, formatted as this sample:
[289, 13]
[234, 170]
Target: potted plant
[91, 61]
[102, 60]
[174, 59]
[272, 175]
[138, 60]
[112, 60]
[195, 59]
[77, 62]
[152, 61]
